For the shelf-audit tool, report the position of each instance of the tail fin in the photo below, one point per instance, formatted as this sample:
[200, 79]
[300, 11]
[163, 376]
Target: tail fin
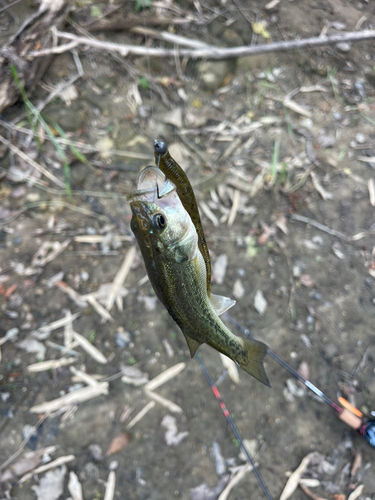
[252, 361]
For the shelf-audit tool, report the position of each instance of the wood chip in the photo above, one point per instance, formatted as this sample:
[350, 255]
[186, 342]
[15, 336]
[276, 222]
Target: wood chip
[366, 159]
[164, 376]
[120, 277]
[73, 398]
[51, 364]
[167, 403]
[272, 4]
[58, 324]
[89, 348]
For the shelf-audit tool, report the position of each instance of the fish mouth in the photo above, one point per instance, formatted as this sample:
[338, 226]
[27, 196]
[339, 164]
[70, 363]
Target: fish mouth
[152, 185]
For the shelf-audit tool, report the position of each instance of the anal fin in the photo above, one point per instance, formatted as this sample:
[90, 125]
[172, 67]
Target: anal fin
[193, 345]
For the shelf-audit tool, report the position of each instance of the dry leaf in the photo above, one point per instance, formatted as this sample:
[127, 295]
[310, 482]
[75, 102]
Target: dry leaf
[118, 443]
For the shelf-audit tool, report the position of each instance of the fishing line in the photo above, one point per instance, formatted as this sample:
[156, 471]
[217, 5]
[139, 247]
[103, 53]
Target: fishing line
[347, 413]
[232, 425]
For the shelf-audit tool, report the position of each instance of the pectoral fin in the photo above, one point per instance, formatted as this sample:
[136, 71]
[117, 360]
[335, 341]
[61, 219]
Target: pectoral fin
[221, 304]
[193, 345]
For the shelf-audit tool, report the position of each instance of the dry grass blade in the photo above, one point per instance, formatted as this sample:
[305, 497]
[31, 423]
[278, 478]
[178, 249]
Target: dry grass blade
[84, 377]
[366, 159]
[120, 277]
[68, 330]
[326, 195]
[167, 403]
[110, 487]
[209, 214]
[235, 480]
[371, 190]
[163, 377]
[98, 308]
[43, 468]
[75, 397]
[293, 106]
[141, 414]
[89, 348]
[58, 324]
[295, 477]
[56, 249]
[51, 364]
[234, 209]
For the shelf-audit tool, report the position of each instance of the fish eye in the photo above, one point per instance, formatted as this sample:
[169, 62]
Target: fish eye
[160, 221]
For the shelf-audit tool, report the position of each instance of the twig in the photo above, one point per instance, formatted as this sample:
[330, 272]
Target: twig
[9, 5]
[33, 163]
[216, 52]
[24, 443]
[318, 225]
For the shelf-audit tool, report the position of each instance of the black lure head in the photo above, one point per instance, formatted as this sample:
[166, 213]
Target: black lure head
[160, 147]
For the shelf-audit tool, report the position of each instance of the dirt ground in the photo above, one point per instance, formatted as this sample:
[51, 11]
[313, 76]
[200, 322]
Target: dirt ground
[232, 126]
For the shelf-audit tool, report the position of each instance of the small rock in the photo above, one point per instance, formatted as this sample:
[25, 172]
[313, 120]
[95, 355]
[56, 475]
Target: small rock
[213, 74]
[84, 276]
[252, 446]
[122, 339]
[89, 471]
[260, 302]
[104, 147]
[96, 452]
[360, 138]
[238, 289]
[344, 46]
[219, 269]
[330, 351]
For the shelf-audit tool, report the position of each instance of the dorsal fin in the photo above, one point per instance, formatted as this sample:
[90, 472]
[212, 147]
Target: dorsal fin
[221, 304]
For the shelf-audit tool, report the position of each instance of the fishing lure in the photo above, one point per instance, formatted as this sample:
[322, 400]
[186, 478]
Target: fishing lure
[172, 170]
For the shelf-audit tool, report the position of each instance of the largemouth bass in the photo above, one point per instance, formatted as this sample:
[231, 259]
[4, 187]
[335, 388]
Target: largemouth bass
[172, 170]
[176, 268]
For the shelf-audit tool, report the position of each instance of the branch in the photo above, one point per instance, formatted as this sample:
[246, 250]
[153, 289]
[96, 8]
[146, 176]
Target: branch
[210, 51]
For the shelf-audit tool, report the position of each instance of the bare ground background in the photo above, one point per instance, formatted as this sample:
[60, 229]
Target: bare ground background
[229, 124]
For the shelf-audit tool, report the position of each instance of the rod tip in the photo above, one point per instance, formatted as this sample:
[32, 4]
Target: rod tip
[160, 147]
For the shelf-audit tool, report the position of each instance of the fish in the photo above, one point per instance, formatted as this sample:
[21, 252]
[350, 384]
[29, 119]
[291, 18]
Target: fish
[172, 170]
[168, 241]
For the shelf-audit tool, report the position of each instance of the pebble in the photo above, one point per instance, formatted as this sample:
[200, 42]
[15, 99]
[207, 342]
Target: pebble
[360, 138]
[330, 351]
[337, 115]
[122, 339]
[96, 452]
[344, 46]
[89, 471]
[84, 276]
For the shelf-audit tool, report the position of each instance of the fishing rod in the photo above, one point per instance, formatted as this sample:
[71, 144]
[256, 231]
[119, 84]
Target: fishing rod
[232, 425]
[350, 415]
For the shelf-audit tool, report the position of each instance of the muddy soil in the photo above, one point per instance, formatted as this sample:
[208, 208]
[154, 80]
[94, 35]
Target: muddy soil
[319, 285]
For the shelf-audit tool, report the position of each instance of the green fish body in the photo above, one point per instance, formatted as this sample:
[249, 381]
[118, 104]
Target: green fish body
[177, 270]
